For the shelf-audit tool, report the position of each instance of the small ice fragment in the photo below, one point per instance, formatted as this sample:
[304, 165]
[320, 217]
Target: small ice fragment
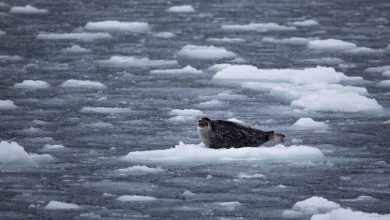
[7, 105]
[135, 198]
[225, 40]
[120, 26]
[204, 53]
[32, 85]
[53, 147]
[331, 44]
[184, 70]
[181, 9]
[236, 120]
[61, 205]
[74, 36]
[291, 40]
[384, 83]
[76, 49]
[309, 22]
[139, 170]
[250, 176]
[105, 110]
[139, 62]
[188, 193]
[164, 35]
[309, 123]
[28, 9]
[73, 83]
[211, 103]
[259, 27]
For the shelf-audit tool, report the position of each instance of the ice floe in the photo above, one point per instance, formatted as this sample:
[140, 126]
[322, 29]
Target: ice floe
[76, 49]
[309, 123]
[228, 206]
[181, 9]
[74, 36]
[28, 9]
[10, 58]
[139, 170]
[184, 70]
[105, 110]
[364, 50]
[259, 27]
[2, 33]
[325, 60]
[361, 198]
[139, 62]
[211, 103]
[291, 40]
[331, 45]
[225, 40]
[32, 85]
[7, 105]
[74, 83]
[386, 73]
[236, 120]
[251, 176]
[378, 69]
[343, 214]
[56, 205]
[384, 83]
[204, 53]
[135, 198]
[165, 34]
[53, 147]
[119, 26]
[185, 114]
[308, 22]
[13, 153]
[199, 153]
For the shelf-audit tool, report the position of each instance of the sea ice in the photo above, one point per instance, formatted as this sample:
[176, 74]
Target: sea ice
[385, 83]
[32, 85]
[185, 114]
[225, 40]
[184, 70]
[250, 176]
[74, 36]
[310, 206]
[54, 205]
[259, 27]
[386, 73]
[199, 153]
[211, 103]
[291, 40]
[13, 153]
[165, 35]
[120, 26]
[139, 62]
[10, 58]
[331, 44]
[309, 22]
[76, 49]
[181, 9]
[325, 60]
[364, 50]
[105, 110]
[139, 170]
[73, 83]
[343, 214]
[7, 105]
[236, 120]
[204, 53]
[53, 147]
[2, 33]
[379, 69]
[28, 9]
[309, 123]
[135, 198]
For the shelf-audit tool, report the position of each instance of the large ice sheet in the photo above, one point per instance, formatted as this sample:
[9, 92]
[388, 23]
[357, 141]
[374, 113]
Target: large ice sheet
[199, 153]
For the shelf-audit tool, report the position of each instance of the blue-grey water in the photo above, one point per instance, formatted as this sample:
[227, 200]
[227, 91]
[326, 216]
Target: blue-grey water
[355, 146]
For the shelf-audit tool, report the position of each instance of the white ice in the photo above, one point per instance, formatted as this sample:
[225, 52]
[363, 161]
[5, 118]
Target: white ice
[135, 198]
[211, 103]
[361, 198]
[76, 49]
[199, 153]
[10, 58]
[259, 27]
[309, 123]
[343, 214]
[119, 26]
[74, 36]
[308, 22]
[181, 9]
[32, 85]
[386, 73]
[55, 205]
[53, 147]
[105, 110]
[364, 50]
[384, 83]
[184, 70]
[139, 62]
[73, 83]
[225, 40]
[378, 69]
[28, 9]
[205, 53]
[228, 206]
[310, 206]
[13, 153]
[331, 45]
[165, 34]
[236, 120]
[185, 114]
[139, 170]
[251, 176]
[7, 105]
[2, 33]
[291, 40]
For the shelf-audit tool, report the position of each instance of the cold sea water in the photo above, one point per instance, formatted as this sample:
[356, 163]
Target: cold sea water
[99, 102]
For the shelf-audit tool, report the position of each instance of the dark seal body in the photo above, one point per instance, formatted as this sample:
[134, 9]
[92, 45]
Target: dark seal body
[227, 134]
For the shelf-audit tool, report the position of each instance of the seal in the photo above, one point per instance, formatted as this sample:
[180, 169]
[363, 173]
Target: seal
[226, 134]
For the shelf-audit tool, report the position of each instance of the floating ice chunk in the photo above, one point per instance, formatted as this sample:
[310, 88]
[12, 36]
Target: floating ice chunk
[379, 69]
[361, 198]
[139, 62]
[345, 102]
[28, 9]
[181, 9]
[105, 110]
[225, 40]
[76, 49]
[291, 40]
[13, 153]
[139, 170]
[343, 214]
[2, 33]
[314, 205]
[229, 206]
[386, 73]
[325, 60]
[120, 26]
[364, 50]
[204, 53]
[251, 176]
[10, 58]
[61, 205]
[188, 193]
[99, 124]
[185, 114]
[33, 130]
[309, 22]
[7, 105]
[259, 27]
[185, 70]
[135, 198]
[89, 215]
[331, 44]
[73, 83]
[191, 153]
[32, 85]
[236, 120]
[306, 76]
[385, 83]
[164, 35]
[74, 36]
[211, 103]
[308, 123]
[53, 147]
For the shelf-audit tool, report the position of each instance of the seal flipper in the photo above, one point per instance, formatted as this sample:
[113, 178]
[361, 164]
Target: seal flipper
[279, 138]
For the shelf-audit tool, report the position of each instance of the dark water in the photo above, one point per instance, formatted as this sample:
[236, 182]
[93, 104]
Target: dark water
[356, 145]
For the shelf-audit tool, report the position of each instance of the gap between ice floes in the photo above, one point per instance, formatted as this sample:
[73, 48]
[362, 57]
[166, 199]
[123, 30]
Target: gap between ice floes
[199, 153]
